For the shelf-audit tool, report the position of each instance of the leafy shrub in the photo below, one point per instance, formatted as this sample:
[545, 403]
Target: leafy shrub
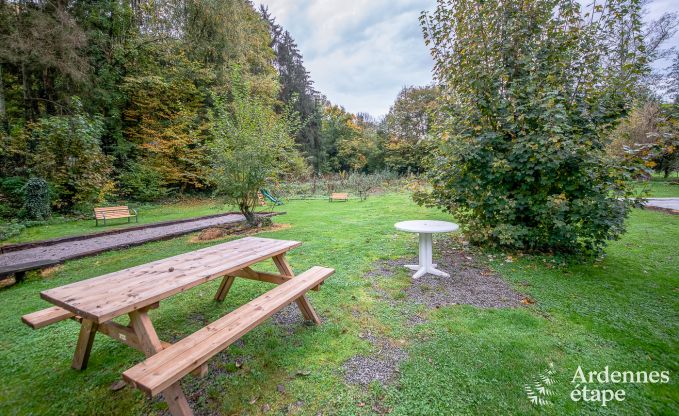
[530, 92]
[142, 183]
[68, 155]
[252, 147]
[362, 184]
[11, 229]
[11, 196]
[37, 199]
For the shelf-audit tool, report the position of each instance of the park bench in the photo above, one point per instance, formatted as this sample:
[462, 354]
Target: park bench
[96, 302]
[110, 213]
[339, 196]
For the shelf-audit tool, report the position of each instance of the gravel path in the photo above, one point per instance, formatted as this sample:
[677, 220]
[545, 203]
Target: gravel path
[79, 248]
[664, 203]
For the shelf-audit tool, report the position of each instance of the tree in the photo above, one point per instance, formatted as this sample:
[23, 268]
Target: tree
[409, 124]
[252, 147]
[673, 80]
[297, 89]
[530, 92]
[66, 151]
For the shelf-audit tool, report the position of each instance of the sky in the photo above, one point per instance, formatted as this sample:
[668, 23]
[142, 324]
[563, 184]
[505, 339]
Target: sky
[361, 53]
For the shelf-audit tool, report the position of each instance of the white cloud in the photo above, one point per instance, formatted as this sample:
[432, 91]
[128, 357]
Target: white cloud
[360, 53]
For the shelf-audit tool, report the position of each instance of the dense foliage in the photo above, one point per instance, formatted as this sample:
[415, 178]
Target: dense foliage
[110, 99]
[37, 199]
[650, 134]
[113, 99]
[252, 147]
[409, 129]
[529, 92]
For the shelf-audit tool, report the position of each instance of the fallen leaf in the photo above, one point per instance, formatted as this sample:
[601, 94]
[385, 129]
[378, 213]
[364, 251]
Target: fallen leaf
[527, 301]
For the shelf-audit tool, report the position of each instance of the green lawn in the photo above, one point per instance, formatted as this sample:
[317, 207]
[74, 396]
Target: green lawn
[148, 213]
[621, 312]
[659, 187]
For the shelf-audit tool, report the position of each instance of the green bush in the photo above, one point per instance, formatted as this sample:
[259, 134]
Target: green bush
[11, 196]
[68, 155]
[524, 121]
[11, 229]
[37, 199]
[142, 183]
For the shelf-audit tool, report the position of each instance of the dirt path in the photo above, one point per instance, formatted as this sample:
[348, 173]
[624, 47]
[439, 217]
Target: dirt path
[96, 244]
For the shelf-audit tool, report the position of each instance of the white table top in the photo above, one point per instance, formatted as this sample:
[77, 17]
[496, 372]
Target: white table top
[426, 226]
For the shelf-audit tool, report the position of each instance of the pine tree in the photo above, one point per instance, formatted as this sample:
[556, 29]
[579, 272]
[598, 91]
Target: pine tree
[297, 89]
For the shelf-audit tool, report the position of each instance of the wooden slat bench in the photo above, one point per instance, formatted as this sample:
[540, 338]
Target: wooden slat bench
[164, 369]
[39, 319]
[341, 196]
[110, 213]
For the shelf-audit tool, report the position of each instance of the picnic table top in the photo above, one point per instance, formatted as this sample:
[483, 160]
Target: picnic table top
[103, 298]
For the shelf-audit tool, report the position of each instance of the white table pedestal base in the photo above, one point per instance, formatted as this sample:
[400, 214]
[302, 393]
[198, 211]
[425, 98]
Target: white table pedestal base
[426, 265]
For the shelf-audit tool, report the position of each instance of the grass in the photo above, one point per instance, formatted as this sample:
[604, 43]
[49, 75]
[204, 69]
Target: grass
[148, 213]
[621, 312]
[659, 187]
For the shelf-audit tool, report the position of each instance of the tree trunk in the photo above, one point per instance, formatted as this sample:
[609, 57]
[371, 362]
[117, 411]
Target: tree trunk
[3, 111]
[27, 96]
[246, 210]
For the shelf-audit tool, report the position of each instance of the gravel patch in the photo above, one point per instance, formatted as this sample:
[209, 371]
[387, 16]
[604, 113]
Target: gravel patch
[78, 248]
[289, 318]
[382, 366]
[470, 282]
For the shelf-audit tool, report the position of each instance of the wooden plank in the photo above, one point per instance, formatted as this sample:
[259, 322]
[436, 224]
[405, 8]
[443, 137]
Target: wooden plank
[170, 365]
[46, 317]
[173, 267]
[103, 298]
[148, 338]
[307, 310]
[154, 279]
[88, 330]
[111, 208]
[248, 273]
[224, 288]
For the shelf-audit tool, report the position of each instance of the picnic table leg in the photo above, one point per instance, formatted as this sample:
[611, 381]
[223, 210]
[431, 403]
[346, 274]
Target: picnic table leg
[88, 329]
[302, 302]
[150, 343]
[224, 288]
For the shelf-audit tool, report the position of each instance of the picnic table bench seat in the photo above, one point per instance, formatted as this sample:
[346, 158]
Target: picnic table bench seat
[40, 319]
[167, 367]
[110, 213]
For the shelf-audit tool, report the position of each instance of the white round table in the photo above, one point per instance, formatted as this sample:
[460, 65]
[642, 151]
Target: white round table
[425, 228]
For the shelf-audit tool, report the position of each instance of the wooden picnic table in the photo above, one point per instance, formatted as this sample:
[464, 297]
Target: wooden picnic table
[134, 291]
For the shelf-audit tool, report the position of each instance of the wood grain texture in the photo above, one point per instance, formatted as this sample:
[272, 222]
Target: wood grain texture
[46, 317]
[103, 298]
[170, 365]
[151, 344]
[88, 330]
